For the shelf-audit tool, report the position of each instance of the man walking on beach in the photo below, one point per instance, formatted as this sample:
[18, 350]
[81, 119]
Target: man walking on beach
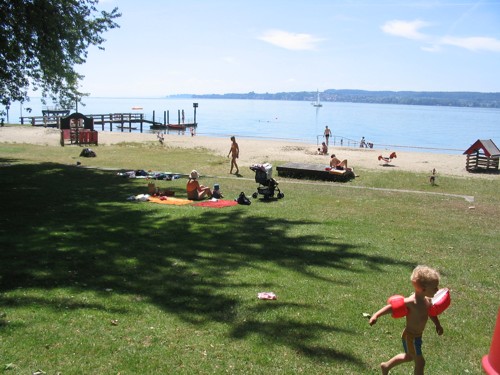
[327, 134]
[234, 151]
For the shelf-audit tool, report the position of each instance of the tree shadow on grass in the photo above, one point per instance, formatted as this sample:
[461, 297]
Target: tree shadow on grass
[68, 227]
[297, 335]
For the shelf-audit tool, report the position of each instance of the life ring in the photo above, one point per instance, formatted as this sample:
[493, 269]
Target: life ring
[399, 308]
[440, 302]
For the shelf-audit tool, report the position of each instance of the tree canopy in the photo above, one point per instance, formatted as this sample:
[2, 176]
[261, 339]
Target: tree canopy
[41, 43]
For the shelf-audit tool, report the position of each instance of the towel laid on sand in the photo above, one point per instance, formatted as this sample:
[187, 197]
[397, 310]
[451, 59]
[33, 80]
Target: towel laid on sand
[219, 203]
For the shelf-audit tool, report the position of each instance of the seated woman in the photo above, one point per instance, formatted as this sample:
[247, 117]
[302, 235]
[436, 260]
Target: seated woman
[335, 163]
[195, 191]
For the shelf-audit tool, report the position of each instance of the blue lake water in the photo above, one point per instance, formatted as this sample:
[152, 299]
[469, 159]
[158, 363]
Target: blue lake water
[429, 128]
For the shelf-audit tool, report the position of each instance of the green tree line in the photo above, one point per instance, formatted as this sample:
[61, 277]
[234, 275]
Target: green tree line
[441, 98]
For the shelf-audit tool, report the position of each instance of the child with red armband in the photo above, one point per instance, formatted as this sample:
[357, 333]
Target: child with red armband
[417, 308]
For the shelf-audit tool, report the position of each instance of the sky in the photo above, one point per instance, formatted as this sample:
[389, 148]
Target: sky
[170, 47]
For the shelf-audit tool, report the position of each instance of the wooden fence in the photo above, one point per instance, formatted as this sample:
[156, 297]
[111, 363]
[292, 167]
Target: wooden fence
[480, 162]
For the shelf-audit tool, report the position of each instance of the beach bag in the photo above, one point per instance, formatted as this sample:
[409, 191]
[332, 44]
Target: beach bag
[242, 199]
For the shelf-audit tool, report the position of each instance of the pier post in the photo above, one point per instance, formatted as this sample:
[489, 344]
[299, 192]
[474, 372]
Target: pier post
[142, 117]
[178, 117]
[195, 105]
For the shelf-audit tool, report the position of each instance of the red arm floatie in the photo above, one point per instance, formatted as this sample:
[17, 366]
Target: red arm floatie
[399, 308]
[440, 302]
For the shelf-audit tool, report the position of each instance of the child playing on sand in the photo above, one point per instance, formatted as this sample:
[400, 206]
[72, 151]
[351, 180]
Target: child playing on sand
[323, 150]
[161, 137]
[425, 282]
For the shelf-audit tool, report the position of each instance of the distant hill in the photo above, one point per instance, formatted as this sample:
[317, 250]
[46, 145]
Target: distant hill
[453, 99]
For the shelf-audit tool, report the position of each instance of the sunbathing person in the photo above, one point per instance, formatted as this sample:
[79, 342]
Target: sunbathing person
[335, 163]
[195, 191]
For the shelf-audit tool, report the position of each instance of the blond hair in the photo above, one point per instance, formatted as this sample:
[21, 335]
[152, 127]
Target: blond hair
[424, 275]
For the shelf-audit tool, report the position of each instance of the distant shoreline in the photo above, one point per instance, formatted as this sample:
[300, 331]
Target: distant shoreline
[427, 98]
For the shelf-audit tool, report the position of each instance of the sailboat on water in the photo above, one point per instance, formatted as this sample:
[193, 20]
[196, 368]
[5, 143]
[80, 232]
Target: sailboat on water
[317, 103]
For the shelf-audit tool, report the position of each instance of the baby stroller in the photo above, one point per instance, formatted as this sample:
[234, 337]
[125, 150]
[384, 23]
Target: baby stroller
[267, 184]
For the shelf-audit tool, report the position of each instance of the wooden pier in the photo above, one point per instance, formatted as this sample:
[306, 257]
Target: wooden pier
[120, 121]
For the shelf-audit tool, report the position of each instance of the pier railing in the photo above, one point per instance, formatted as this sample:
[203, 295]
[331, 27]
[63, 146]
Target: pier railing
[111, 118]
[337, 140]
[121, 121]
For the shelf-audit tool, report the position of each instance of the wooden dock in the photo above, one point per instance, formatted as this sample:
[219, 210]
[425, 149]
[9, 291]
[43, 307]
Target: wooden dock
[314, 172]
[120, 121]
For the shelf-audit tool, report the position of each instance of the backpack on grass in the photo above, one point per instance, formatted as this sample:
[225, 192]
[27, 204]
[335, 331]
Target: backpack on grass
[88, 153]
[242, 199]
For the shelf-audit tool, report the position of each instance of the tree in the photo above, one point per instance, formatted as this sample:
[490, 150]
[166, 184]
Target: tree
[41, 42]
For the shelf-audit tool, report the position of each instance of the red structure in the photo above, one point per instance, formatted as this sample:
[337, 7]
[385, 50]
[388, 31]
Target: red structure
[482, 156]
[78, 129]
[491, 362]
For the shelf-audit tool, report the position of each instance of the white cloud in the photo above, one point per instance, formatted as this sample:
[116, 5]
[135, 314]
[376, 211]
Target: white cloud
[405, 29]
[410, 30]
[473, 43]
[435, 47]
[291, 41]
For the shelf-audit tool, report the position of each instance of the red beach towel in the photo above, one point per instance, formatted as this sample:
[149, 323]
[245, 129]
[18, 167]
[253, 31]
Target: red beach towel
[216, 204]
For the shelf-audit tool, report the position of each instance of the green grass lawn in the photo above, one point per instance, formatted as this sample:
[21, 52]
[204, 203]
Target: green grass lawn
[91, 283]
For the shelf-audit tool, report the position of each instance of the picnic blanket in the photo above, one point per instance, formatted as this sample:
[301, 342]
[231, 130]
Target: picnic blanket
[219, 203]
[150, 175]
[170, 200]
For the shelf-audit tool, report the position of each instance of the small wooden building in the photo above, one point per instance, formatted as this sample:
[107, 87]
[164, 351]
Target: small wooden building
[78, 129]
[482, 156]
[77, 120]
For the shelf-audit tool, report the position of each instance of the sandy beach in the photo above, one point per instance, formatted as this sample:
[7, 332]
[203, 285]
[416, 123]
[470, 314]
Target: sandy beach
[259, 151]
